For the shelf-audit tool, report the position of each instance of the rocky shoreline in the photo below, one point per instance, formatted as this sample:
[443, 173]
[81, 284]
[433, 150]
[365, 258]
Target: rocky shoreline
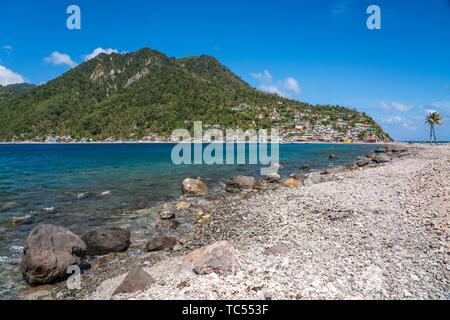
[375, 230]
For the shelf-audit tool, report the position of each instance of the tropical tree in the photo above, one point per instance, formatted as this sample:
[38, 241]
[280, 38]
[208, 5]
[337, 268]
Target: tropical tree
[432, 119]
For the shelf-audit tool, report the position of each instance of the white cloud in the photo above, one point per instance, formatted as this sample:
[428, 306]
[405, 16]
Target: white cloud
[292, 84]
[395, 119]
[441, 104]
[266, 76]
[280, 88]
[402, 107]
[7, 47]
[57, 58]
[430, 111]
[98, 51]
[9, 77]
[274, 89]
[398, 121]
[385, 107]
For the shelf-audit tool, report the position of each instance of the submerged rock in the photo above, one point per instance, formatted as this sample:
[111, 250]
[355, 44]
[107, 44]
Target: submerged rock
[332, 157]
[11, 205]
[103, 241]
[50, 210]
[240, 184]
[167, 224]
[194, 187]
[160, 243]
[49, 250]
[220, 257]
[136, 280]
[17, 221]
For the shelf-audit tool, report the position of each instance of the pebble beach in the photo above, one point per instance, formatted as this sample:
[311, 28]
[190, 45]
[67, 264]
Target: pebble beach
[375, 232]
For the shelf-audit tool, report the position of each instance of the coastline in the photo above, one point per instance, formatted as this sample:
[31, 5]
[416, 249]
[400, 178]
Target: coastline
[371, 233]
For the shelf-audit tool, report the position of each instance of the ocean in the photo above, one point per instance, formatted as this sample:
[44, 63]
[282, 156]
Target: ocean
[72, 178]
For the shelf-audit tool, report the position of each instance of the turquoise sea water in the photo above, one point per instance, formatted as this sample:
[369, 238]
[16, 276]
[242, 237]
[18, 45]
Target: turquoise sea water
[138, 175]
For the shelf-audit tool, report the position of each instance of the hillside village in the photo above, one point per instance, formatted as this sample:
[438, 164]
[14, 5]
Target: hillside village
[294, 126]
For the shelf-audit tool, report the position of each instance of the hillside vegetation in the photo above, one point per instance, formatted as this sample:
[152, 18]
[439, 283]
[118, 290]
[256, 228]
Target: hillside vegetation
[134, 94]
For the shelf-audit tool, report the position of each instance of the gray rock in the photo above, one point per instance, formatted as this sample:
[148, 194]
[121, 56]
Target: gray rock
[313, 178]
[363, 162]
[160, 243]
[381, 158]
[107, 240]
[167, 214]
[136, 280]
[240, 184]
[194, 187]
[48, 252]
[279, 249]
[332, 157]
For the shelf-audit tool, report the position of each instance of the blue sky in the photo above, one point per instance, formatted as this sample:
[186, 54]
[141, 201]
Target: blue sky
[314, 51]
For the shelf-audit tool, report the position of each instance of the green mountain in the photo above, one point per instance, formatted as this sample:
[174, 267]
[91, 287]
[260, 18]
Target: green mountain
[133, 94]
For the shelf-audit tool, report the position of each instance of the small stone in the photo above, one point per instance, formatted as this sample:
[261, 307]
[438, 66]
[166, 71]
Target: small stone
[166, 215]
[183, 205]
[268, 296]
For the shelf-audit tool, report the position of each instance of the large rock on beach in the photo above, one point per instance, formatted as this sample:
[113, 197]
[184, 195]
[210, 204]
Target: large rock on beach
[381, 158]
[48, 252]
[363, 162]
[220, 257]
[313, 178]
[240, 184]
[103, 241]
[160, 243]
[136, 280]
[194, 187]
[273, 178]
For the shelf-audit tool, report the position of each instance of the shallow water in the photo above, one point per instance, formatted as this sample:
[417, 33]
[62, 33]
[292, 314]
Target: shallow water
[138, 175]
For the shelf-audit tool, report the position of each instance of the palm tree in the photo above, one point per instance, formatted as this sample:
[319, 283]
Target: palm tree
[432, 119]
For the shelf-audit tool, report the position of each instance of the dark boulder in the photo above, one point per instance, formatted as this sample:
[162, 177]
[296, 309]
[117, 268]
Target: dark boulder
[332, 157]
[103, 241]
[48, 252]
[363, 162]
[160, 243]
